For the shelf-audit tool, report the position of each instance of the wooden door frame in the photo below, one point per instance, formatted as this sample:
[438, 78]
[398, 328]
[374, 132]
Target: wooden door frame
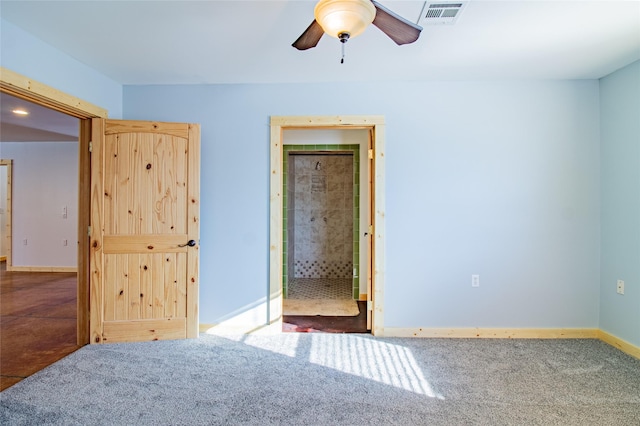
[38, 93]
[8, 231]
[375, 125]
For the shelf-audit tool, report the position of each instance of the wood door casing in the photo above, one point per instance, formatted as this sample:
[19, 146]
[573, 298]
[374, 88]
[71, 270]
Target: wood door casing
[144, 207]
[371, 227]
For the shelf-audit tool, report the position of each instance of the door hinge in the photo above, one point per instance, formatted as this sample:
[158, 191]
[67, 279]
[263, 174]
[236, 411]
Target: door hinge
[370, 229]
[370, 154]
[369, 305]
[88, 231]
[90, 146]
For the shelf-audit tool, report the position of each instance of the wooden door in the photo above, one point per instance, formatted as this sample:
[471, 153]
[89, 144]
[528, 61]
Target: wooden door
[145, 180]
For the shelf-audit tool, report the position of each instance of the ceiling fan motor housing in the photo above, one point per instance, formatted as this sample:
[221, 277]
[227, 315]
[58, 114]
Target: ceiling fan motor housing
[344, 17]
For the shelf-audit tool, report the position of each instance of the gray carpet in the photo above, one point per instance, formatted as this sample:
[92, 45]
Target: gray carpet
[325, 379]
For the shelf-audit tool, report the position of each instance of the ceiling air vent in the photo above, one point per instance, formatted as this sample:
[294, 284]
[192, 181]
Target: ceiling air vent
[441, 13]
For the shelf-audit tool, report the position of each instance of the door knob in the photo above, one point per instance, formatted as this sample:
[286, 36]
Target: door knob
[189, 243]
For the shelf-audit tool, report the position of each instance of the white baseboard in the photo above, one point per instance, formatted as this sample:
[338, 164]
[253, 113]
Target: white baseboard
[495, 333]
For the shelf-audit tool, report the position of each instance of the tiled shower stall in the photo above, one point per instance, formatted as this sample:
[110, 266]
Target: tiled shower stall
[321, 215]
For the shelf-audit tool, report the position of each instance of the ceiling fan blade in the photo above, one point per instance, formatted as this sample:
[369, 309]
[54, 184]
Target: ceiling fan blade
[396, 27]
[310, 37]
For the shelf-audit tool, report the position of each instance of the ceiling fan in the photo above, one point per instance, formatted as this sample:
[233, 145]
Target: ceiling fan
[345, 19]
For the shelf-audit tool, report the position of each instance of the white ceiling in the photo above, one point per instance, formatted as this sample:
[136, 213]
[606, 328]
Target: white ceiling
[193, 42]
[40, 125]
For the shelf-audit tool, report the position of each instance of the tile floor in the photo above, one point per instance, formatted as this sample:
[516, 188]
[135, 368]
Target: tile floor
[320, 288]
[323, 288]
[318, 324]
[37, 322]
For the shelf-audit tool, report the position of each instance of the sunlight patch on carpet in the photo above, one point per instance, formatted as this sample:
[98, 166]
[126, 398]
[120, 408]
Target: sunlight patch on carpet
[382, 362]
[287, 344]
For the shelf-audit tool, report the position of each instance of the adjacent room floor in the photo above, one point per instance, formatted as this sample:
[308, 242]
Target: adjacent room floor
[37, 322]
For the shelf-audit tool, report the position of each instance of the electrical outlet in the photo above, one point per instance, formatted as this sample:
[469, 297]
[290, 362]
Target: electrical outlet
[24, 242]
[620, 287]
[475, 280]
[65, 243]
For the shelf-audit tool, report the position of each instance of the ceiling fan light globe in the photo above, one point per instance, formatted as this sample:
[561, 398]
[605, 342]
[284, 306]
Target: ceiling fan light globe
[344, 16]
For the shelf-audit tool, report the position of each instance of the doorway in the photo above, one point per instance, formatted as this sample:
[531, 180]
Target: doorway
[322, 251]
[25, 88]
[38, 316]
[368, 240]
[88, 213]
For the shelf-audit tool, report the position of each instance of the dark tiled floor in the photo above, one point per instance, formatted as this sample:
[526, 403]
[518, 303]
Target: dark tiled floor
[318, 324]
[314, 288]
[37, 321]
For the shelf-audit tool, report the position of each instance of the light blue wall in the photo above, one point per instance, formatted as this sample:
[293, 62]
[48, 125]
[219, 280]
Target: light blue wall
[620, 153]
[27, 55]
[499, 179]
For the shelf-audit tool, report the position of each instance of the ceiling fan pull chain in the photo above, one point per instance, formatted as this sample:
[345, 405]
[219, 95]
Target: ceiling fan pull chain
[344, 38]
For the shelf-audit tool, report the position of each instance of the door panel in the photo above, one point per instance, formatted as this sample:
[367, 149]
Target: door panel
[145, 207]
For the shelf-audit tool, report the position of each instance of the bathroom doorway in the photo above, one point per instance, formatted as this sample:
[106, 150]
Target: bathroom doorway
[323, 133]
[321, 278]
